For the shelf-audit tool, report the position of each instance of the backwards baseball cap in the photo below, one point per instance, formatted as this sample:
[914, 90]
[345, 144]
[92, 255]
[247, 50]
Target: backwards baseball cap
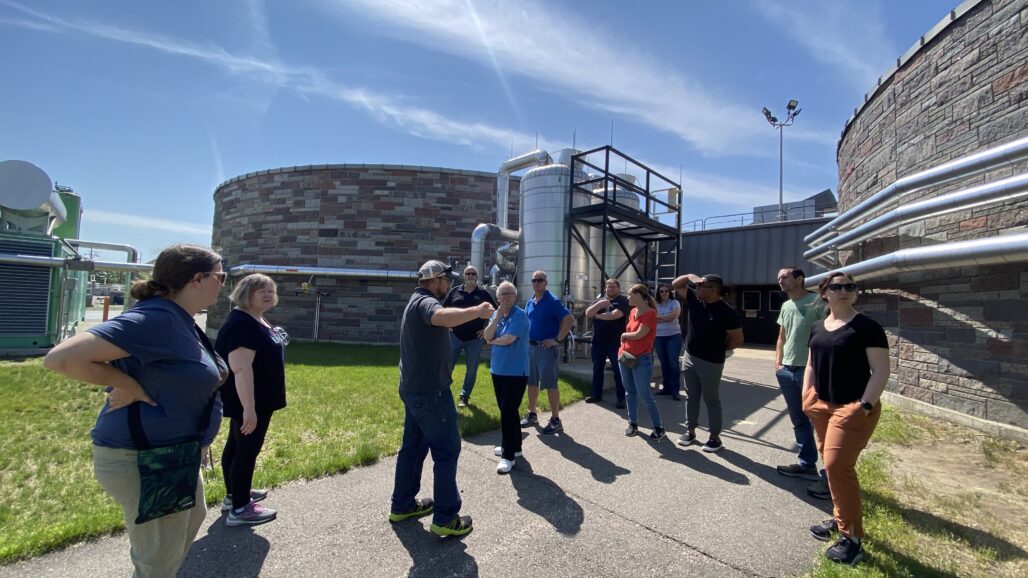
[433, 269]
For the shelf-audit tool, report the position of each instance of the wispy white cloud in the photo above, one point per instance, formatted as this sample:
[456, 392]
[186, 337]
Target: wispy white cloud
[219, 169]
[29, 24]
[580, 61]
[139, 222]
[849, 34]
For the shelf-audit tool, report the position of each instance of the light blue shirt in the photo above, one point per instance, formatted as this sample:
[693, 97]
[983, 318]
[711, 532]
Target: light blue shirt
[511, 359]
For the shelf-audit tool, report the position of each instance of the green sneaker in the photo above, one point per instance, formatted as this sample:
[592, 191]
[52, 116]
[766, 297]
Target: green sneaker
[422, 507]
[459, 526]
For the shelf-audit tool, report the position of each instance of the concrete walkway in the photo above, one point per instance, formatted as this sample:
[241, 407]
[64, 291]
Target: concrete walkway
[590, 502]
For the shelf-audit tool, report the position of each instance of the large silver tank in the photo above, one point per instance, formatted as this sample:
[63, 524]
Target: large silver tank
[615, 255]
[544, 227]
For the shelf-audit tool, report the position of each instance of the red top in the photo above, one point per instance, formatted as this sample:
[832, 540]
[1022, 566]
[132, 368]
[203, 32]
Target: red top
[645, 345]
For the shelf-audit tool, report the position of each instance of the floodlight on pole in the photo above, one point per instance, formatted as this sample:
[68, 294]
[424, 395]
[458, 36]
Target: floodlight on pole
[792, 111]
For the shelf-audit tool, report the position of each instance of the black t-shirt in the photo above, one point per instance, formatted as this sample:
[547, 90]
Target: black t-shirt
[461, 299]
[424, 348]
[240, 329]
[839, 358]
[708, 327]
[609, 331]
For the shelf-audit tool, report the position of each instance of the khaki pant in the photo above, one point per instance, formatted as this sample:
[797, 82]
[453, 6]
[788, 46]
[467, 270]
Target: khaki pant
[158, 546]
[842, 433]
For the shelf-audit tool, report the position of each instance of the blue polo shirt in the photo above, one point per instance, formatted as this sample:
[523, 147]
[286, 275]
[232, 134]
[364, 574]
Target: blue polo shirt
[174, 368]
[511, 359]
[545, 317]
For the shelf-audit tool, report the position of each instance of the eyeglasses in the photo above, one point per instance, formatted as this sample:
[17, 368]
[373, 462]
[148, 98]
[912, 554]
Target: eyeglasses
[850, 287]
[471, 274]
[507, 294]
[663, 291]
[221, 276]
[540, 280]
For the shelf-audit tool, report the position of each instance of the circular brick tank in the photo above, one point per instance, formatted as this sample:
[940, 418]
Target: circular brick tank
[380, 217]
[959, 335]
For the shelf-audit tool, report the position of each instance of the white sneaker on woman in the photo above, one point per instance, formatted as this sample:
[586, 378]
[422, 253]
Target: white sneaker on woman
[504, 466]
[498, 451]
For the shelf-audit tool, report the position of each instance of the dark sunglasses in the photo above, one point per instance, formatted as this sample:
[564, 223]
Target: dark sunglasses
[850, 287]
[471, 274]
[538, 280]
[221, 276]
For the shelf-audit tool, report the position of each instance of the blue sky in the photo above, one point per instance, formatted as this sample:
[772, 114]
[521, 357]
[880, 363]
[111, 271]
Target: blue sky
[145, 107]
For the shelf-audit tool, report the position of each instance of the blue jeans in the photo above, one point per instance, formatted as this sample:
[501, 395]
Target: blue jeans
[790, 381]
[669, 349]
[430, 424]
[637, 384]
[601, 353]
[472, 353]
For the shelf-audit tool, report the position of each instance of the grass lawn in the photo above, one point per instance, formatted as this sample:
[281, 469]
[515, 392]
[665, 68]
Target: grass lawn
[940, 500]
[343, 411]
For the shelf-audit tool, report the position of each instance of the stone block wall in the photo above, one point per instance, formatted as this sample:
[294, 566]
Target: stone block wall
[381, 217]
[960, 335]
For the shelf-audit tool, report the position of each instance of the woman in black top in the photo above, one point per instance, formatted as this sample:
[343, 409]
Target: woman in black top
[255, 388]
[847, 372]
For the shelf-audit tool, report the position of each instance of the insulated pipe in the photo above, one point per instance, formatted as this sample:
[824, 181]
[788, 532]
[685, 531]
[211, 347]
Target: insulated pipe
[536, 157]
[32, 260]
[986, 160]
[341, 272]
[996, 192]
[132, 252]
[482, 233]
[73, 264]
[988, 251]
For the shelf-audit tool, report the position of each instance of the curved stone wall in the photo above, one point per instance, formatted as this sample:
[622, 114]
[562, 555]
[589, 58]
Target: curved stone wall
[355, 216]
[960, 335]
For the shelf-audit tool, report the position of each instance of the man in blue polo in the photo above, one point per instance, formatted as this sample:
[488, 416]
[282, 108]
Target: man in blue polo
[549, 324]
[467, 337]
[430, 422]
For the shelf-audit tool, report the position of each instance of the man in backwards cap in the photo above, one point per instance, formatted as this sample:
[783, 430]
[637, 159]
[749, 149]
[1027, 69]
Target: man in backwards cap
[431, 416]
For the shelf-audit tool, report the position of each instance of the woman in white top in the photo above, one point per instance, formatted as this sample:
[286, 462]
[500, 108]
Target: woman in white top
[669, 341]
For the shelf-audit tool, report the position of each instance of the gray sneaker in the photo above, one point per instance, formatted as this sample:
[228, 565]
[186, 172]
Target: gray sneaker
[252, 515]
[554, 426]
[255, 496]
[530, 420]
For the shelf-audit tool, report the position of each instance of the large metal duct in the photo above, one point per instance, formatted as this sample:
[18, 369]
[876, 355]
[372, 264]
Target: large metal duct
[338, 272]
[535, 158]
[988, 251]
[131, 252]
[989, 193]
[486, 232]
[74, 264]
[959, 168]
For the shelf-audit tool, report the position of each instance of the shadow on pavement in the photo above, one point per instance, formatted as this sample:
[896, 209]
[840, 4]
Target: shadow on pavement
[432, 555]
[693, 458]
[226, 551]
[543, 497]
[769, 474]
[602, 469]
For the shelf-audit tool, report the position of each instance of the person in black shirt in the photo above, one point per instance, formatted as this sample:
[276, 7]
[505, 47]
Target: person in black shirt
[468, 336]
[256, 388]
[846, 375]
[609, 315]
[713, 329]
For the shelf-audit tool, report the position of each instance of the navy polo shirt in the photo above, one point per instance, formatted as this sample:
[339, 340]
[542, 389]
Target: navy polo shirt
[424, 348]
[174, 368]
[545, 317]
[462, 299]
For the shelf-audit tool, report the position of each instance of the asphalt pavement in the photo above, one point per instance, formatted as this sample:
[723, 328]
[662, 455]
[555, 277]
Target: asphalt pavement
[588, 502]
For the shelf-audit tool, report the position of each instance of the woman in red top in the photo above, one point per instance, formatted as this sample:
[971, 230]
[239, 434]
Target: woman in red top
[637, 340]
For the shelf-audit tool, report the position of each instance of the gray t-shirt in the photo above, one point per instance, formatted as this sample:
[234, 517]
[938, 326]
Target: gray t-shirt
[425, 354]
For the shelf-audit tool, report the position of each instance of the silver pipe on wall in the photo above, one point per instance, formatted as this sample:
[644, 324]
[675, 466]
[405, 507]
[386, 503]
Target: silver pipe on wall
[32, 260]
[340, 272]
[988, 251]
[482, 233]
[1000, 191]
[965, 166]
[536, 157]
[129, 250]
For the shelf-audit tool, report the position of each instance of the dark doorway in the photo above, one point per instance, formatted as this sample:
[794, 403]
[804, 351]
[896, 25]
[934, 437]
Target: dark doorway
[758, 307]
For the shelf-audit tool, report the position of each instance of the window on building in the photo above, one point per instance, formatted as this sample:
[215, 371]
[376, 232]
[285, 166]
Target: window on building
[751, 300]
[776, 299]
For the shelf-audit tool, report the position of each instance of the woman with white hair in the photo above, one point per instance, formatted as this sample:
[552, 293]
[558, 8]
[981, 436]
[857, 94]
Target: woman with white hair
[507, 333]
[256, 388]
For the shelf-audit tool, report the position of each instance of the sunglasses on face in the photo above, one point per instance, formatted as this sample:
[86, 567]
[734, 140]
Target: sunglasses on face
[220, 276]
[471, 274]
[538, 280]
[850, 287]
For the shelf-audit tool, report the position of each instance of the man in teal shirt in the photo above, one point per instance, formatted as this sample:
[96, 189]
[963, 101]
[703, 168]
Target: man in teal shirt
[797, 316]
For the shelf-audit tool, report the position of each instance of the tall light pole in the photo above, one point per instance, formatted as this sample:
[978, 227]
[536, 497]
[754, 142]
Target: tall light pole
[791, 113]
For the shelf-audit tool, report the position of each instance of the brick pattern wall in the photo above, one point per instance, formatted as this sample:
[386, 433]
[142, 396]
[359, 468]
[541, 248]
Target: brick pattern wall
[354, 216]
[960, 335]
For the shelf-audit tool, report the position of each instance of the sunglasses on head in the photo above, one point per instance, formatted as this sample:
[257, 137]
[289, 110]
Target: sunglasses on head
[850, 287]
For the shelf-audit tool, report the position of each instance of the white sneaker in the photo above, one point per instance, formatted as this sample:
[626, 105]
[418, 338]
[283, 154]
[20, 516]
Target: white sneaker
[504, 466]
[498, 451]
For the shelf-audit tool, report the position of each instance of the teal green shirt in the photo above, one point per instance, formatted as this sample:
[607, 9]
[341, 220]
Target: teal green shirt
[796, 318]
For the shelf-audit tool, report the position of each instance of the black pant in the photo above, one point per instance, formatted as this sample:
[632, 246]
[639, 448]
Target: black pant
[240, 458]
[510, 389]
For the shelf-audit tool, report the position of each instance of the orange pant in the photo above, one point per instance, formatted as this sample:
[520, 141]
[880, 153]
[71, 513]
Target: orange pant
[842, 432]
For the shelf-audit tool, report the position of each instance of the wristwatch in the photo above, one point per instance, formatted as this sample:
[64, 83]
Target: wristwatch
[866, 405]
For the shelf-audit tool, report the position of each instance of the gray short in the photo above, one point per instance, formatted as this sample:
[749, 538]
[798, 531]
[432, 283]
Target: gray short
[543, 366]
